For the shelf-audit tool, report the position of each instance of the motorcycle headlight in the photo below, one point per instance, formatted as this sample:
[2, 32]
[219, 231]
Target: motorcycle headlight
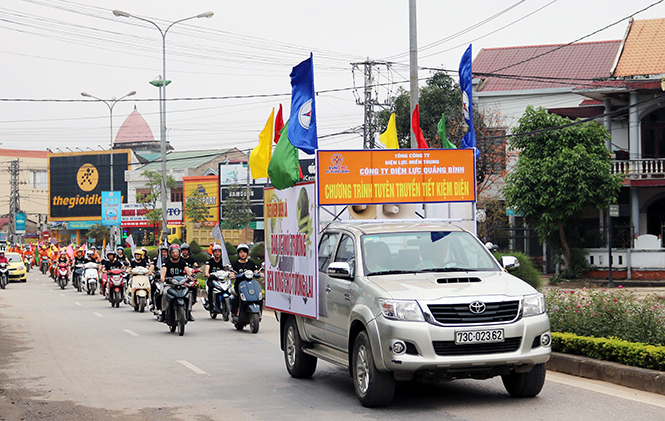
[21, 267]
[533, 305]
[408, 310]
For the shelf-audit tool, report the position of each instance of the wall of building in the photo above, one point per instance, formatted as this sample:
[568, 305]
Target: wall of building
[33, 182]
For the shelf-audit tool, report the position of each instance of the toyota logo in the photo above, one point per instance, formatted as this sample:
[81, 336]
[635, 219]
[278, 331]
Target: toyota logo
[477, 307]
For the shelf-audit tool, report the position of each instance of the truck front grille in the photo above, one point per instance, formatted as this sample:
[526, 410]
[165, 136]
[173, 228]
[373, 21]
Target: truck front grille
[450, 349]
[505, 311]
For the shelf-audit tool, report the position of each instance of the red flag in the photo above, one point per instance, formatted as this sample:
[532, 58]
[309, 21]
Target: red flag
[415, 125]
[279, 124]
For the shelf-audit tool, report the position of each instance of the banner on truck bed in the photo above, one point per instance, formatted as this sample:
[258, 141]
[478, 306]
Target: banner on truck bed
[291, 274]
[366, 177]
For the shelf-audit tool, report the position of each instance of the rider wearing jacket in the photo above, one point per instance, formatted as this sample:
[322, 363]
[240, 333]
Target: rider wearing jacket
[187, 257]
[174, 266]
[3, 258]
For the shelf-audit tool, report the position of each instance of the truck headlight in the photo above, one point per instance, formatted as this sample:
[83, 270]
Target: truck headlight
[533, 305]
[401, 310]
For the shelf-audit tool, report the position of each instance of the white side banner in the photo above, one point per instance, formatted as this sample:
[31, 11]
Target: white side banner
[292, 283]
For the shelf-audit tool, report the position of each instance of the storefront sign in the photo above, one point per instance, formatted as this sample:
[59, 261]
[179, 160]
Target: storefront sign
[364, 177]
[291, 247]
[19, 223]
[205, 191]
[133, 214]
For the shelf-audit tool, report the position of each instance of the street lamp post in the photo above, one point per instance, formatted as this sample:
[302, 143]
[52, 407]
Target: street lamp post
[162, 108]
[111, 103]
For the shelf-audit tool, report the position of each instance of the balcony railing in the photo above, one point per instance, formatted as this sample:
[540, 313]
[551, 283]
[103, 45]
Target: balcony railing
[640, 168]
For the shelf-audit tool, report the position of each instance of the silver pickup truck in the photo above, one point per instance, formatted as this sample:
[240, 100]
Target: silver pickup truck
[410, 300]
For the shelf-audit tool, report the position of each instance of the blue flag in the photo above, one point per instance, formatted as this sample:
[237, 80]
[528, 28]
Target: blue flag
[302, 130]
[465, 78]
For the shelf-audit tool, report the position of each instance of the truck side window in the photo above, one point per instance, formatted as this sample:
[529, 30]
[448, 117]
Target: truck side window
[346, 252]
[326, 248]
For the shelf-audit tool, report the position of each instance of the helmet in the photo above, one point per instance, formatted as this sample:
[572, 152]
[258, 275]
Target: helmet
[109, 252]
[144, 250]
[163, 247]
[120, 248]
[79, 251]
[174, 247]
[216, 247]
[184, 246]
[243, 246]
[89, 252]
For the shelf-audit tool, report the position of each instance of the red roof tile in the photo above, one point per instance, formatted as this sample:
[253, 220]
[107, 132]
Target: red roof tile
[134, 129]
[571, 65]
[20, 153]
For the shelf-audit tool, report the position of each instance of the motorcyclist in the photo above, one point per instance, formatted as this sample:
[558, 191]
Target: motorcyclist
[139, 259]
[174, 266]
[110, 263]
[121, 256]
[157, 262]
[213, 264]
[3, 258]
[79, 259]
[239, 266]
[187, 257]
[90, 257]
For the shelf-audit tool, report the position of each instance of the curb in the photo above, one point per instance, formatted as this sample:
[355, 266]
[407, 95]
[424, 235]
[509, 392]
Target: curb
[634, 377]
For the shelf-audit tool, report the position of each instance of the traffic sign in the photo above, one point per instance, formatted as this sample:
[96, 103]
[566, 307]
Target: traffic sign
[46, 235]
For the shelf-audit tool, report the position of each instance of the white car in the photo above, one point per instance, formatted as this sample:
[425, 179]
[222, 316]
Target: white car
[426, 300]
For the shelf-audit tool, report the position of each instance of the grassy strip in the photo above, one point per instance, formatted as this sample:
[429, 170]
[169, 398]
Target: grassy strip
[613, 349]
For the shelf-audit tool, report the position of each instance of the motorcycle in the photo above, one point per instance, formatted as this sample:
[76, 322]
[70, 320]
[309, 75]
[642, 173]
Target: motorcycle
[62, 276]
[76, 277]
[28, 262]
[43, 265]
[138, 289]
[221, 295]
[90, 277]
[178, 296]
[250, 303]
[116, 286]
[4, 275]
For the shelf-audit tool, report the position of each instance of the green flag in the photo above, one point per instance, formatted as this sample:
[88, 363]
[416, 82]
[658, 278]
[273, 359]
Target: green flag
[283, 169]
[441, 129]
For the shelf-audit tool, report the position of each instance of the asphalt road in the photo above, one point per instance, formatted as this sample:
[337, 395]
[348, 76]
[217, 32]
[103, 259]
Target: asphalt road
[68, 356]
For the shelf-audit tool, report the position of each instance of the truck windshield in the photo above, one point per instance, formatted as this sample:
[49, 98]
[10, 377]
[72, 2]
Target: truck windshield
[435, 251]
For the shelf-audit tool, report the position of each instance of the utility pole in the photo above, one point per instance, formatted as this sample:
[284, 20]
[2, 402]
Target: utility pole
[368, 101]
[14, 198]
[413, 65]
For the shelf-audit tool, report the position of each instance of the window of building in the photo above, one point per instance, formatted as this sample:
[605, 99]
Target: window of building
[141, 194]
[39, 180]
[176, 194]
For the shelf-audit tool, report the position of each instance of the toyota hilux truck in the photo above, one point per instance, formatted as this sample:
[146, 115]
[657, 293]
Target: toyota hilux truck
[418, 300]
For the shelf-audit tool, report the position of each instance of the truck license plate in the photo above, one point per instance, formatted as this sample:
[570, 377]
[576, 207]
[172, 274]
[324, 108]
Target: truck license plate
[478, 336]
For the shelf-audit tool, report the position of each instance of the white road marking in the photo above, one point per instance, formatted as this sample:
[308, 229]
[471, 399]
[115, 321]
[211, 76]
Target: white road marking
[130, 332]
[62, 295]
[77, 303]
[193, 367]
[607, 388]
[97, 314]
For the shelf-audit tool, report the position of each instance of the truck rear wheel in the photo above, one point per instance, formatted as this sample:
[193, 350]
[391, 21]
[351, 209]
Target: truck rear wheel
[298, 364]
[525, 385]
[373, 387]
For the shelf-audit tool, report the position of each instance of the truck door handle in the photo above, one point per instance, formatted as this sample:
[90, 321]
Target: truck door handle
[328, 289]
[347, 296]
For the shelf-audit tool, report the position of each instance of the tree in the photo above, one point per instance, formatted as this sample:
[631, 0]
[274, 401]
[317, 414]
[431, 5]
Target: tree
[237, 211]
[99, 233]
[149, 201]
[196, 207]
[559, 173]
[441, 95]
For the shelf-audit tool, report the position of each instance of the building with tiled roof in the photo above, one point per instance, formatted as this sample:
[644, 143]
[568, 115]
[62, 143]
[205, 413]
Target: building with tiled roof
[135, 134]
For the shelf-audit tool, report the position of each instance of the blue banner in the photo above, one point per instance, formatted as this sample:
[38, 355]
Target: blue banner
[302, 130]
[465, 81]
[19, 220]
[111, 208]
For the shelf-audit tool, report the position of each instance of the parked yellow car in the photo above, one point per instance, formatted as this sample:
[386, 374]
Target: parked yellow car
[17, 270]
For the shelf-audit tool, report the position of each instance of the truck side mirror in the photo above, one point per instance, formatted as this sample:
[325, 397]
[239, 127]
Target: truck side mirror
[341, 270]
[510, 262]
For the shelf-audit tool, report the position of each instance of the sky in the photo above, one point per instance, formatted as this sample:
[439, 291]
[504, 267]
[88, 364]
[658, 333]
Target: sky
[229, 71]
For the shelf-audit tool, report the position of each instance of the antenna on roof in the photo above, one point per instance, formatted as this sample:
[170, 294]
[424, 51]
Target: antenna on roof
[100, 147]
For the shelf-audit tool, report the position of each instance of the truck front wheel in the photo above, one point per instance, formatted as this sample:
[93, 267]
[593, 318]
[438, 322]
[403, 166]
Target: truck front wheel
[525, 385]
[373, 387]
[298, 364]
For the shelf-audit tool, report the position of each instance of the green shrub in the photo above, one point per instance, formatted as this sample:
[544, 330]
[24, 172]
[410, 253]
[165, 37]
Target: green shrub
[611, 349]
[200, 258]
[257, 253]
[527, 271]
[578, 264]
[176, 241]
[194, 247]
[606, 313]
[152, 254]
[231, 250]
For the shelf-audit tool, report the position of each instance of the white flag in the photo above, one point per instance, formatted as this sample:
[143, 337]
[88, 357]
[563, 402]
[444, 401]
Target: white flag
[217, 234]
[130, 241]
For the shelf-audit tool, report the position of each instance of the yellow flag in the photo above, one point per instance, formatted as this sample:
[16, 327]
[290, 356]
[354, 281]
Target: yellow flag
[260, 157]
[389, 137]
